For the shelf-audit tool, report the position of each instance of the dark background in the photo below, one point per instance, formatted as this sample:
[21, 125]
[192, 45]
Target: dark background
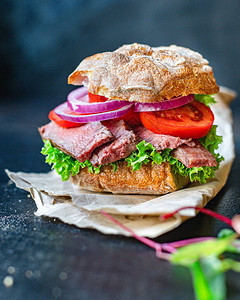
[43, 41]
[41, 44]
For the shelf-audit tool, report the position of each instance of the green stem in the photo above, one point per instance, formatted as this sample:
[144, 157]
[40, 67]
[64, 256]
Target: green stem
[201, 288]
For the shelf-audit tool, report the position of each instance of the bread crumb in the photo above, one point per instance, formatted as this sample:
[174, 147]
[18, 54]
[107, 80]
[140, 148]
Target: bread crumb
[29, 274]
[8, 281]
[37, 274]
[63, 275]
[11, 270]
[57, 292]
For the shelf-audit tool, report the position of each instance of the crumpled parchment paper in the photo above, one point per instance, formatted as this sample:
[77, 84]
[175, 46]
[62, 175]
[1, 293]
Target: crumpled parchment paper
[140, 213]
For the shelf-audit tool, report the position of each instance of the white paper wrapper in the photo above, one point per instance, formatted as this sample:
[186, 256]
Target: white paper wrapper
[140, 213]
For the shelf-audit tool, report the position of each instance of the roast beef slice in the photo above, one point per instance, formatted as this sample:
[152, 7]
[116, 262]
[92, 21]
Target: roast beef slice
[123, 145]
[79, 142]
[196, 156]
[162, 141]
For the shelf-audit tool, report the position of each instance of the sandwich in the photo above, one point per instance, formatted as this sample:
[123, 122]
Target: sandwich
[140, 123]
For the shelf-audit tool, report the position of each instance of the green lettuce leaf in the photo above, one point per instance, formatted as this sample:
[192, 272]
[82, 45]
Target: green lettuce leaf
[211, 141]
[206, 99]
[114, 164]
[64, 164]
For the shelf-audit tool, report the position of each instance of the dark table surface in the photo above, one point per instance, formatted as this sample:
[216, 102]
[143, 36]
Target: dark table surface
[52, 260]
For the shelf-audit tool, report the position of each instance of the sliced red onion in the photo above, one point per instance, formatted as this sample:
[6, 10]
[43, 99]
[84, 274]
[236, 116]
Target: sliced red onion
[168, 104]
[63, 112]
[78, 101]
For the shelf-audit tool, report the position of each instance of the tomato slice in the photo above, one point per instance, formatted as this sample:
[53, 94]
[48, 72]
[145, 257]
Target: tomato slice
[96, 98]
[193, 120]
[66, 124]
[131, 118]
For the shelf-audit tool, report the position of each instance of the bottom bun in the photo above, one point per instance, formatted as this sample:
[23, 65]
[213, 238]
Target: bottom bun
[150, 179]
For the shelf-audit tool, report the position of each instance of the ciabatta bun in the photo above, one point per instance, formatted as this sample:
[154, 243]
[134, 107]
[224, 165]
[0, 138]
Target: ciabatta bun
[150, 179]
[144, 74]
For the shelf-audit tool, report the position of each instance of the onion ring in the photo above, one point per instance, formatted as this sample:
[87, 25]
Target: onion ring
[62, 111]
[164, 105]
[78, 101]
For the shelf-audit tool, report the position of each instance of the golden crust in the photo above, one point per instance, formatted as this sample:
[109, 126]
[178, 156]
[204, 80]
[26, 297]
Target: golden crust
[140, 73]
[150, 179]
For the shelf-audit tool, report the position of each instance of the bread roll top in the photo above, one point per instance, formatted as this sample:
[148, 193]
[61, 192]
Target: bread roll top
[142, 73]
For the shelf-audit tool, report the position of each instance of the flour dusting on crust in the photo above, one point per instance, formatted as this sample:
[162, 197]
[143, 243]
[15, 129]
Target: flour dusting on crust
[142, 73]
